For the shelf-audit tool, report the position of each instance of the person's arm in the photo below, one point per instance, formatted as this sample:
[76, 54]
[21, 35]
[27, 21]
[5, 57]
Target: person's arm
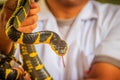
[5, 42]
[27, 26]
[106, 63]
[104, 71]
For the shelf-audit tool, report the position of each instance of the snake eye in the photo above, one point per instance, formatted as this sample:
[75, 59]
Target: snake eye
[60, 47]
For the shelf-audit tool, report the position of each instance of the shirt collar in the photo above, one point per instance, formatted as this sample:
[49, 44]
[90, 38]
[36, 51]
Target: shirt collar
[88, 12]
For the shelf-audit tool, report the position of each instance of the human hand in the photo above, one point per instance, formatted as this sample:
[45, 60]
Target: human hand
[11, 69]
[29, 24]
[26, 26]
[23, 74]
[31, 19]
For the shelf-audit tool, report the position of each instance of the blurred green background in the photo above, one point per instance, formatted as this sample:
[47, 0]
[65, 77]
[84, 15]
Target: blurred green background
[110, 1]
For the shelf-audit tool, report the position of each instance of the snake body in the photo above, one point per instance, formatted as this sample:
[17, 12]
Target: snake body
[6, 71]
[31, 62]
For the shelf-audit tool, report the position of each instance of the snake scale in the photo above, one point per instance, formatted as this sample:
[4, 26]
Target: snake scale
[31, 62]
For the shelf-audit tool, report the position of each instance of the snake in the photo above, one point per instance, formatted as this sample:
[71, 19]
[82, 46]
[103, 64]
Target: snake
[31, 62]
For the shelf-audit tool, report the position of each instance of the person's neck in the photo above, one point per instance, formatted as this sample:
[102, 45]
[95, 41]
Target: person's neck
[64, 12]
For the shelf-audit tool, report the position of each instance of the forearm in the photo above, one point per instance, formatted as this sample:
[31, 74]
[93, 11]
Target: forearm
[102, 78]
[104, 71]
[5, 42]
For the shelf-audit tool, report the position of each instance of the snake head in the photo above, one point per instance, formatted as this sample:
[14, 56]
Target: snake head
[60, 47]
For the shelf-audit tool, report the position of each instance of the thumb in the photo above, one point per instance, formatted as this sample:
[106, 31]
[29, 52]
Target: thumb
[9, 8]
[11, 4]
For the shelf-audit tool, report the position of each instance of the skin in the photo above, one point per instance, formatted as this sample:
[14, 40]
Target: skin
[61, 9]
[65, 9]
[27, 26]
[104, 71]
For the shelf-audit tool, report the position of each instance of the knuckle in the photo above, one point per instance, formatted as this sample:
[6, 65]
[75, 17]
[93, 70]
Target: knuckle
[34, 19]
[33, 26]
[11, 4]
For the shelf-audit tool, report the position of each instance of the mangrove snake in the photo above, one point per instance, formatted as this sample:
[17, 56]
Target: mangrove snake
[31, 62]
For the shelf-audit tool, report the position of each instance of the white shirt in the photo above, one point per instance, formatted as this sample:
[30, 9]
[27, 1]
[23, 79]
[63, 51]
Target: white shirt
[95, 31]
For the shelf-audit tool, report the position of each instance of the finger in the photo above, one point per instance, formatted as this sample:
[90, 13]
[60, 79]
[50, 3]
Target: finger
[33, 5]
[21, 70]
[10, 5]
[27, 29]
[30, 20]
[9, 8]
[27, 77]
[34, 8]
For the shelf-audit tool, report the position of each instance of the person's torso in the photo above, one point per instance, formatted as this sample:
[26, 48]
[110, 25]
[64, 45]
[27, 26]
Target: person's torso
[83, 38]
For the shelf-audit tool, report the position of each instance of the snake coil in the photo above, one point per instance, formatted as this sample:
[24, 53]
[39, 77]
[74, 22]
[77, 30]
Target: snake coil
[31, 62]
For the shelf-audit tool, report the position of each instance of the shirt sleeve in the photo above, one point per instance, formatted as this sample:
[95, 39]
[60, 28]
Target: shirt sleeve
[109, 49]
